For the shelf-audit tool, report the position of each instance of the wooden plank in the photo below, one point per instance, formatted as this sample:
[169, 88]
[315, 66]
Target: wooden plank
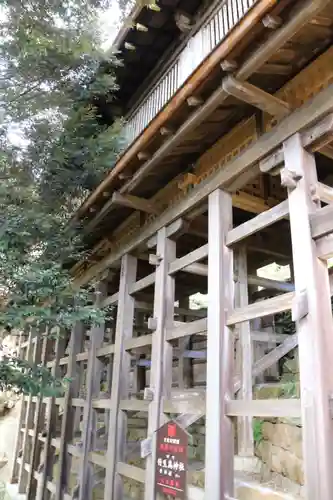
[110, 301]
[198, 327]
[321, 222]
[116, 450]
[67, 424]
[93, 377]
[306, 115]
[264, 408]
[314, 329]
[183, 262]
[261, 309]
[324, 247]
[130, 201]
[161, 368]
[258, 223]
[245, 425]
[258, 98]
[219, 459]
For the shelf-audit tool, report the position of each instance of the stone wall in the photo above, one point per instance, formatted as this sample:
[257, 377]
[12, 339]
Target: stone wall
[280, 450]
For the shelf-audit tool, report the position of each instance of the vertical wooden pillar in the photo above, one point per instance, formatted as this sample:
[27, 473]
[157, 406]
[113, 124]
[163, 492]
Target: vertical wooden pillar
[120, 380]
[139, 372]
[38, 427]
[24, 353]
[50, 430]
[219, 464]
[68, 419]
[161, 365]
[34, 357]
[185, 365]
[314, 329]
[93, 384]
[245, 430]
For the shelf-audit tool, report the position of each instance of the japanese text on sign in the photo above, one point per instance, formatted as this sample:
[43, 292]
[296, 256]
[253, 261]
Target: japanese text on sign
[171, 460]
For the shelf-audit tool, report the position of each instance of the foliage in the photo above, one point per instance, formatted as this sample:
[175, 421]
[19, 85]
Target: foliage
[55, 149]
[257, 430]
[20, 376]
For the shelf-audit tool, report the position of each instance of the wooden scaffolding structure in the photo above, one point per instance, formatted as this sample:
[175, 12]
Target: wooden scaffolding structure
[143, 354]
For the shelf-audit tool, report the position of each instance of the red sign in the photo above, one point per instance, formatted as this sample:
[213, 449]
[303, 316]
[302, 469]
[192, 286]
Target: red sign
[171, 461]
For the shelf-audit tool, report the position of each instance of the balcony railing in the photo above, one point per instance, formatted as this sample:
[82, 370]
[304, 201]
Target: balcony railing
[213, 32]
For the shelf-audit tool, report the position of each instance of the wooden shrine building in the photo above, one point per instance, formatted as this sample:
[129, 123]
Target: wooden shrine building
[228, 169]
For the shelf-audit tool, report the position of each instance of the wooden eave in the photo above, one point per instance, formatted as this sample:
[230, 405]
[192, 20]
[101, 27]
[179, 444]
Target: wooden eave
[268, 70]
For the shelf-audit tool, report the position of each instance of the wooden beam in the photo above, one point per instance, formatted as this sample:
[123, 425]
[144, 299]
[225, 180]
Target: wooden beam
[116, 449]
[324, 193]
[264, 408]
[219, 459]
[130, 201]
[314, 138]
[314, 329]
[245, 161]
[261, 309]
[183, 262]
[256, 97]
[258, 223]
[321, 222]
[275, 69]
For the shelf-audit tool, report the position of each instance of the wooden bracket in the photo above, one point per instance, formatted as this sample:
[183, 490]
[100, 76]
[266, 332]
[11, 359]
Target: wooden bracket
[166, 131]
[194, 101]
[152, 323]
[229, 65]
[273, 163]
[300, 306]
[255, 96]
[130, 201]
[272, 22]
[154, 260]
[148, 394]
[188, 180]
[289, 178]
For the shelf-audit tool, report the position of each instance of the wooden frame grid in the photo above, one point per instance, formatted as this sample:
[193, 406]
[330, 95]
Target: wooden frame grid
[230, 313]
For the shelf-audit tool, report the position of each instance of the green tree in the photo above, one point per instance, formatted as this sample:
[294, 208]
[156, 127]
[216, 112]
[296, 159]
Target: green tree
[55, 148]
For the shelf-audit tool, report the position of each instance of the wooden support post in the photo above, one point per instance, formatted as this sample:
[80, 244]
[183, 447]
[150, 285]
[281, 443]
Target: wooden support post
[219, 464]
[245, 430]
[68, 418]
[38, 427]
[24, 353]
[314, 329]
[93, 384]
[52, 411]
[185, 365]
[116, 451]
[161, 368]
[139, 372]
[34, 357]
